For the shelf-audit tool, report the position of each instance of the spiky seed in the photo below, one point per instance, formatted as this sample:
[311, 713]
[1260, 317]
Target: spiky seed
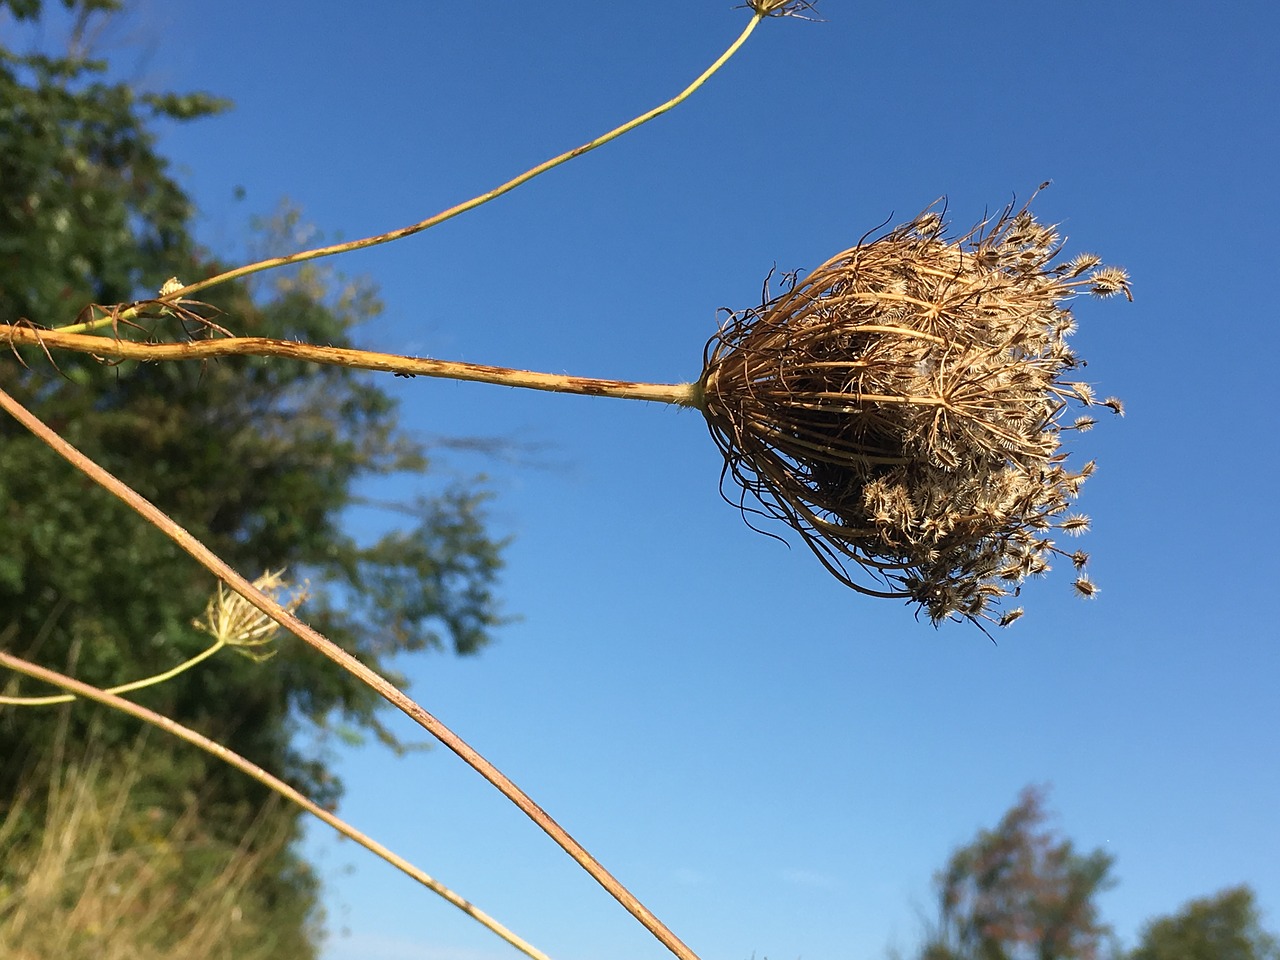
[1075, 524]
[781, 8]
[1082, 391]
[1011, 615]
[1081, 263]
[1107, 281]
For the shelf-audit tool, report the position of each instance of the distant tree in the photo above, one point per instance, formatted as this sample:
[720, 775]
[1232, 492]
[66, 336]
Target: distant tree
[1225, 926]
[1020, 892]
[258, 458]
[89, 207]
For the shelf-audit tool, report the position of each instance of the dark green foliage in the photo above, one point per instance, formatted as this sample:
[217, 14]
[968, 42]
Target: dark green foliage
[1222, 927]
[88, 203]
[258, 458]
[1020, 892]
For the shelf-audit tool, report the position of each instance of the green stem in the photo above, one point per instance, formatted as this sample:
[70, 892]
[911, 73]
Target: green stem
[124, 687]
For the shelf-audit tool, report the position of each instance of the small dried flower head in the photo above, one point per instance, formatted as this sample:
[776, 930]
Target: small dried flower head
[232, 619]
[781, 8]
[901, 408]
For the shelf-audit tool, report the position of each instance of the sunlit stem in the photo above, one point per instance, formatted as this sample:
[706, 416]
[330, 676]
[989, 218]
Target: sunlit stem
[108, 698]
[680, 394]
[370, 678]
[333, 249]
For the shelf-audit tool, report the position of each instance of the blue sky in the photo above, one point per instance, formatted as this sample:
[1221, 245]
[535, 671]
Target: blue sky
[776, 765]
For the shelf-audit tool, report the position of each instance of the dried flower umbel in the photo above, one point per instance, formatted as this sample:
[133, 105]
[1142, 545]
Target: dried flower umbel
[902, 408]
[234, 622]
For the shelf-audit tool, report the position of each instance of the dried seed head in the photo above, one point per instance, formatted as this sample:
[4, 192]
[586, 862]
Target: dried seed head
[781, 8]
[232, 619]
[901, 409]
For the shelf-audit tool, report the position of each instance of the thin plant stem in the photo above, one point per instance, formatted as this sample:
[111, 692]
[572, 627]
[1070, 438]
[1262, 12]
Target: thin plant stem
[379, 684]
[373, 241]
[77, 688]
[681, 394]
[151, 681]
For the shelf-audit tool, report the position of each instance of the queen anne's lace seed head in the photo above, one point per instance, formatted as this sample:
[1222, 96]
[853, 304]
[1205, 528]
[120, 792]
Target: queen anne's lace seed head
[234, 621]
[901, 407]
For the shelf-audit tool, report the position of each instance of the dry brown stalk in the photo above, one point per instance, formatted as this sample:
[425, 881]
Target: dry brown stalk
[901, 407]
[107, 698]
[117, 349]
[374, 681]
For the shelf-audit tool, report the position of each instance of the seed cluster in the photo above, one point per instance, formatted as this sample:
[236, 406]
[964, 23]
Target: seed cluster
[902, 407]
[236, 622]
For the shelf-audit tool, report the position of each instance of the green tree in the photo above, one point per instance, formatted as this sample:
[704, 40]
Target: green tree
[90, 208]
[258, 458]
[1019, 892]
[1225, 926]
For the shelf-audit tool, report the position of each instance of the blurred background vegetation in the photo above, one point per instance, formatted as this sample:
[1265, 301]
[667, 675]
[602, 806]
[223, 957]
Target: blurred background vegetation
[1022, 891]
[259, 459]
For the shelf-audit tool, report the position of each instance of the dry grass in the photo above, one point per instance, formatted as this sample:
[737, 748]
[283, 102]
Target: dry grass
[902, 408]
[109, 878]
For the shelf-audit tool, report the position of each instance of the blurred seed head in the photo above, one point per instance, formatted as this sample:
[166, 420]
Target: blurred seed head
[232, 619]
[781, 8]
[902, 408]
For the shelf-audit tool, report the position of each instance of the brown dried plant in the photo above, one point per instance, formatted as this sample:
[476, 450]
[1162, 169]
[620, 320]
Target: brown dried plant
[234, 622]
[902, 408]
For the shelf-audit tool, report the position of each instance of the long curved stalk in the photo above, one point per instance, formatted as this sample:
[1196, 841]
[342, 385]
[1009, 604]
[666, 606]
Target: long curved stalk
[76, 688]
[762, 9]
[379, 684]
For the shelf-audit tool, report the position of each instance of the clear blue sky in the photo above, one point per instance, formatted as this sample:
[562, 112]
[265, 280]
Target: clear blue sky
[775, 765]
